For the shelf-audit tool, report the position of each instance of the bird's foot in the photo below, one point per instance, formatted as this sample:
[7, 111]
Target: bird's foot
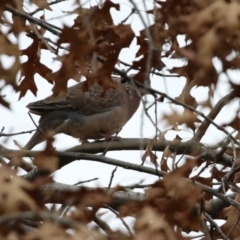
[84, 141]
[109, 137]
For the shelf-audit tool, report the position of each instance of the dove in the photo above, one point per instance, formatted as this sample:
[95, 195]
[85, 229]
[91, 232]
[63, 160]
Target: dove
[91, 114]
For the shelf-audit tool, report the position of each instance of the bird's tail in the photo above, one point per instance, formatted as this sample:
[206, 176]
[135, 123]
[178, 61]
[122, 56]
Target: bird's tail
[34, 140]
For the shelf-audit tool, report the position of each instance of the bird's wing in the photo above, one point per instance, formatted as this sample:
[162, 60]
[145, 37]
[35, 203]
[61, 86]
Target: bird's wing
[92, 101]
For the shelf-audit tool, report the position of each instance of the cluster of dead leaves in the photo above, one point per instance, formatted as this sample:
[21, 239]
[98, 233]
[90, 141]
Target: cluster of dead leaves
[94, 44]
[170, 206]
[22, 202]
[210, 32]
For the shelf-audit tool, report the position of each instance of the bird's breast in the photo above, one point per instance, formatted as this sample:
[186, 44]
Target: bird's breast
[91, 126]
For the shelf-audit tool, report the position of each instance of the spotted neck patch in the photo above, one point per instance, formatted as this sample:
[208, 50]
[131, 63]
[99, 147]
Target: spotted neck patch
[128, 90]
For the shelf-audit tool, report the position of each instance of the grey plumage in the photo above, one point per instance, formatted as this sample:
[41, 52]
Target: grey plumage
[85, 115]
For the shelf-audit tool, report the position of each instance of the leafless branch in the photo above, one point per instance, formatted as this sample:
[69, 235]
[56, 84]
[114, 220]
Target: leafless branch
[212, 222]
[31, 19]
[14, 134]
[212, 115]
[112, 176]
[39, 215]
[121, 219]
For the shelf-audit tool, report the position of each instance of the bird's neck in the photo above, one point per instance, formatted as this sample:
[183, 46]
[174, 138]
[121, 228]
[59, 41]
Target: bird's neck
[133, 98]
[129, 90]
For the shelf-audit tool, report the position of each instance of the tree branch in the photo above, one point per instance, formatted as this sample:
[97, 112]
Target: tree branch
[188, 148]
[67, 157]
[39, 215]
[31, 19]
[56, 192]
[213, 113]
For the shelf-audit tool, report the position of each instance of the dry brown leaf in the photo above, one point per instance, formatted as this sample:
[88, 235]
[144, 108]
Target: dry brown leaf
[13, 235]
[236, 178]
[4, 102]
[236, 163]
[212, 31]
[217, 174]
[47, 160]
[9, 74]
[95, 198]
[143, 49]
[32, 66]
[187, 118]
[48, 230]
[122, 37]
[108, 42]
[148, 153]
[151, 225]
[232, 224]
[230, 150]
[166, 154]
[175, 198]
[162, 134]
[90, 197]
[186, 97]
[16, 4]
[14, 192]
[83, 232]
[41, 4]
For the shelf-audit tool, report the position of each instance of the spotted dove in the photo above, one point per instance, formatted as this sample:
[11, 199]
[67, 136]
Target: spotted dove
[93, 114]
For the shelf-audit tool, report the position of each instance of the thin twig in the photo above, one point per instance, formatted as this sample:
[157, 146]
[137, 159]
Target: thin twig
[216, 227]
[112, 176]
[17, 144]
[40, 37]
[122, 220]
[31, 19]
[209, 120]
[138, 185]
[51, 3]
[2, 131]
[17, 133]
[90, 180]
[205, 230]
[23, 164]
[153, 91]
[103, 225]
[115, 137]
[38, 129]
[174, 160]
[39, 215]
[153, 72]
[212, 115]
